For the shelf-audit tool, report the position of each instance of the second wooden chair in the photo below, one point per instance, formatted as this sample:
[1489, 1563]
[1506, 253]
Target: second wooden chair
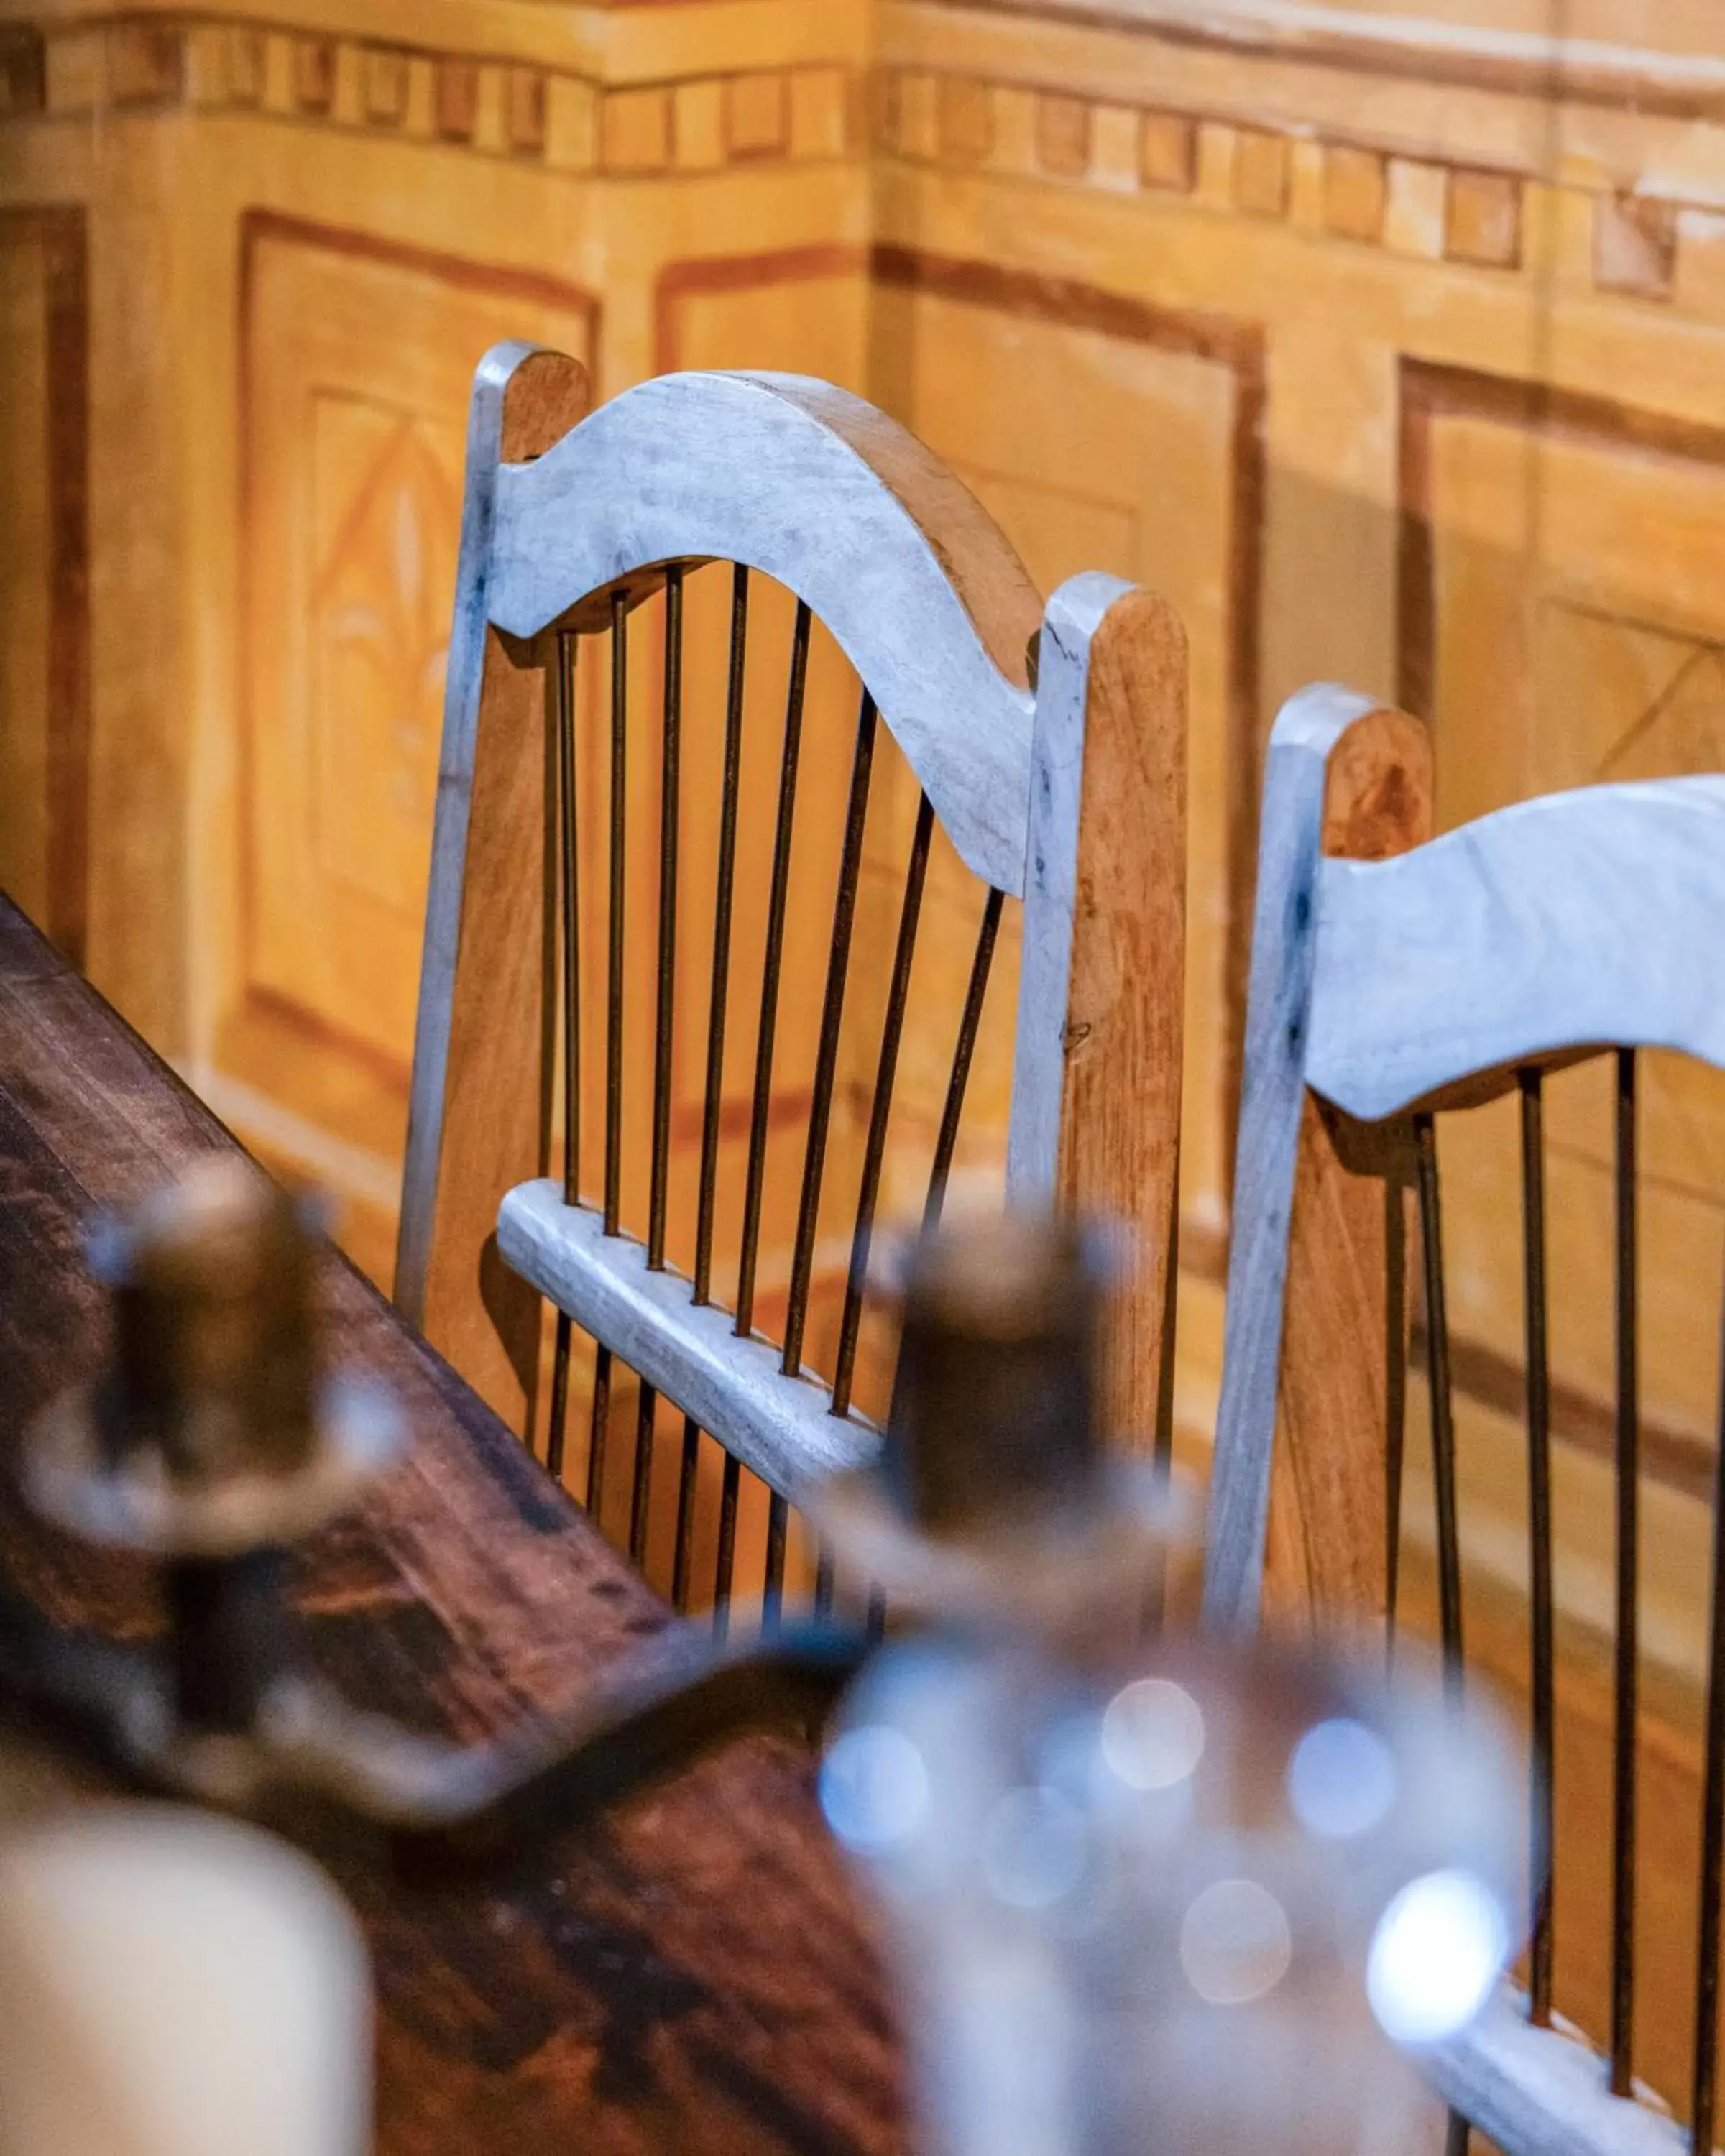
[1394, 977]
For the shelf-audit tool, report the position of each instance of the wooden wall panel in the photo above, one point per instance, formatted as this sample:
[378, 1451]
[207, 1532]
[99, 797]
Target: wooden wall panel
[357, 358]
[44, 624]
[1105, 435]
[1563, 620]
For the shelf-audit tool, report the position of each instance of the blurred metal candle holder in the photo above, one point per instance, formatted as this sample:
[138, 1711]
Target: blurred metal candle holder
[1148, 1888]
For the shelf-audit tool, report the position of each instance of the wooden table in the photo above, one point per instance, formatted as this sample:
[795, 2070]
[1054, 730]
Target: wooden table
[695, 1977]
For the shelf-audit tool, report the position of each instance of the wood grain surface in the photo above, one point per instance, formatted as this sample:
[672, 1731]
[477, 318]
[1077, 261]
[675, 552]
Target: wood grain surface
[1308, 729]
[478, 1100]
[1343, 1377]
[1102, 986]
[696, 1976]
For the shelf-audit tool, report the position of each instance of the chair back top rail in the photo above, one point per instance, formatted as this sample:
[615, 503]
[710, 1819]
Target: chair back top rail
[815, 488]
[1576, 920]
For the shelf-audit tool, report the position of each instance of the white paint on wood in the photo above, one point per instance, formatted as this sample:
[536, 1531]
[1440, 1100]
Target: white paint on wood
[815, 488]
[1050, 882]
[463, 676]
[784, 1428]
[1574, 920]
[1272, 1096]
[1543, 2092]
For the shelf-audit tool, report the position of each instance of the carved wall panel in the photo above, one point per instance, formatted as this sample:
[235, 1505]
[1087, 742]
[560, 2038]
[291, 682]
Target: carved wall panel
[1563, 616]
[358, 359]
[1106, 433]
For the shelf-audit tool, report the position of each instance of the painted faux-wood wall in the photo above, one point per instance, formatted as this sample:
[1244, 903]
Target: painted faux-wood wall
[1390, 346]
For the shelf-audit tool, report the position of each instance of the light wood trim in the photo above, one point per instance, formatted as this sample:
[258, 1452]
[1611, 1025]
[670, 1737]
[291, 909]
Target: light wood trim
[1345, 1351]
[1372, 805]
[1125, 1015]
[478, 1119]
[1095, 1095]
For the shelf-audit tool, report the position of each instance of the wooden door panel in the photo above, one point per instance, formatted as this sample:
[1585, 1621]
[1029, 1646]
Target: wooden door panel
[1602, 657]
[44, 714]
[1104, 438]
[357, 368]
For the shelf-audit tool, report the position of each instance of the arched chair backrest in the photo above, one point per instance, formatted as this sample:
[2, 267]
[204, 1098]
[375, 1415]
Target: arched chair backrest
[1068, 795]
[1440, 975]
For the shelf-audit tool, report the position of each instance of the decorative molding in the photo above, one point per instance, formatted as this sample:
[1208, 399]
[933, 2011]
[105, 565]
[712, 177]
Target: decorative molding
[1366, 194]
[1486, 54]
[797, 113]
[1471, 216]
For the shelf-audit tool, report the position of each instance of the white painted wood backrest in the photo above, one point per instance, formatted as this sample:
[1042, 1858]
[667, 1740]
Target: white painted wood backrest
[814, 488]
[1390, 987]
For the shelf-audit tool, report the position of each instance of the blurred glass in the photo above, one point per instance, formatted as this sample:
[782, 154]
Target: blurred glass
[1180, 1900]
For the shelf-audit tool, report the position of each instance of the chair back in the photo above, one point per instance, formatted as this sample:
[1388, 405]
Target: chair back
[1022, 768]
[1438, 976]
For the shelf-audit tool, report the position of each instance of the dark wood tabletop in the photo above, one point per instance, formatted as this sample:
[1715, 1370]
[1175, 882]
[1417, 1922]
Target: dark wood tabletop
[695, 1976]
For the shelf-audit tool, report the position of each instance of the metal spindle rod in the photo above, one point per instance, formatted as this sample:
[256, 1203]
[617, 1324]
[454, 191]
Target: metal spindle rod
[1395, 1404]
[730, 790]
[1622, 1806]
[570, 913]
[725, 1564]
[665, 1015]
[618, 894]
[682, 1563]
[1459, 2134]
[597, 1430]
[1541, 1852]
[559, 1397]
[826, 1061]
[1443, 1428]
[964, 1049]
[774, 956]
[880, 1109]
[772, 1583]
[1705, 2054]
[571, 918]
[640, 1498]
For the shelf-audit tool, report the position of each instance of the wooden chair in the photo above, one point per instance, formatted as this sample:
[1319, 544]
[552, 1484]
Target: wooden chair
[1048, 746]
[1391, 980]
